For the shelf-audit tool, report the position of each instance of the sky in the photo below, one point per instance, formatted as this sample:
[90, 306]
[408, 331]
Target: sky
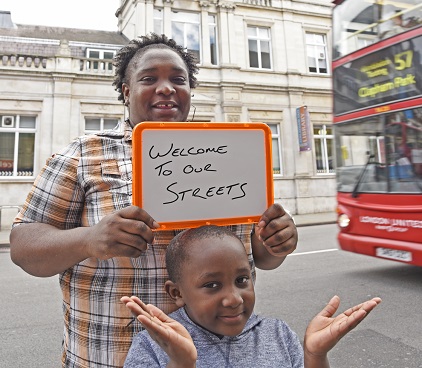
[88, 14]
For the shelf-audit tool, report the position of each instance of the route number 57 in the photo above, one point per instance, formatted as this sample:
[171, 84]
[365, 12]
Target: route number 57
[403, 60]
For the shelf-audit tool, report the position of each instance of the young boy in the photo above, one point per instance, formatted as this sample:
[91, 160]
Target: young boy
[211, 283]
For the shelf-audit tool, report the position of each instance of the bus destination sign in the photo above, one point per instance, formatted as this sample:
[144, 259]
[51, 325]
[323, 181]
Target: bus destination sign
[391, 74]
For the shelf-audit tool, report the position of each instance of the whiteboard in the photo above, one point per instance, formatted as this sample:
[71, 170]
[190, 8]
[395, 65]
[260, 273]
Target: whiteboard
[191, 174]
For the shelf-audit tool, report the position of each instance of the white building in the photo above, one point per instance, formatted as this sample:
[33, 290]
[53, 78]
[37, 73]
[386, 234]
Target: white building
[260, 60]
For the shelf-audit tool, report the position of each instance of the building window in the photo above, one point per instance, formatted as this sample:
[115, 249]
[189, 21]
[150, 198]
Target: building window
[259, 47]
[213, 39]
[323, 140]
[104, 59]
[276, 148]
[95, 125]
[17, 144]
[158, 21]
[185, 30]
[316, 49]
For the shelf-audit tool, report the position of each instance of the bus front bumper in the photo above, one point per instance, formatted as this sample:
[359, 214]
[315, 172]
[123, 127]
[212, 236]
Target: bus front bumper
[401, 251]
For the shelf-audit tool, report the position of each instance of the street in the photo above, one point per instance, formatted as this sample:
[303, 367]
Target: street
[31, 321]
[31, 326]
[389, 337]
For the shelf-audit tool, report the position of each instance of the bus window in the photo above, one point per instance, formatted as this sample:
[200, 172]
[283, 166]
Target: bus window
[361, 23]
[383, 153]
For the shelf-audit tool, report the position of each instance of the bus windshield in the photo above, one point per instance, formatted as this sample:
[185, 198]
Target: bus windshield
[381, 154]
[358, 23]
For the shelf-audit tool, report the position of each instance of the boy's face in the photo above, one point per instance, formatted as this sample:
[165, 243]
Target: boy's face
[216, 285]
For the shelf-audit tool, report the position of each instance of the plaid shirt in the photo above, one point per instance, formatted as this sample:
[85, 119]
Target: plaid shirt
[88, 180]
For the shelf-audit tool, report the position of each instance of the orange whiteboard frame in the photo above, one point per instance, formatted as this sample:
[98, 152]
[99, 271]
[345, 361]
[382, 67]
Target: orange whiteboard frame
[192, 174]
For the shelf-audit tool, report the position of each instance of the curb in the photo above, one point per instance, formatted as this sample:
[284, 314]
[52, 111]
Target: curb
[315, 223]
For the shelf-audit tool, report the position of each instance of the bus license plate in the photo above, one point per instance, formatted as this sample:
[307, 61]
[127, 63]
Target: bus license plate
[400, 255]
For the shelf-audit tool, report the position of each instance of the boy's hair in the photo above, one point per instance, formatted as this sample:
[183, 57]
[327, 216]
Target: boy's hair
[177, 253]
[138, 46]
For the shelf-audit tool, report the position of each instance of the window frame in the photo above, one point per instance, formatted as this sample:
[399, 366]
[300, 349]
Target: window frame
[102, 119]
[17, 130]
[158, 20]
[213, 26]
[258, 39]
[186, 33]
[276, 136]
[321, 141]
[315, 45]
[101, 64]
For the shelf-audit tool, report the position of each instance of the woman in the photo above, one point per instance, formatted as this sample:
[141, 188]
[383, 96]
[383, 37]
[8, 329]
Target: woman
[78, 220]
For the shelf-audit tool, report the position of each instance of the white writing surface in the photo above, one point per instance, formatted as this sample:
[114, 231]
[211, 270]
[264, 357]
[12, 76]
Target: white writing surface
[199, 175]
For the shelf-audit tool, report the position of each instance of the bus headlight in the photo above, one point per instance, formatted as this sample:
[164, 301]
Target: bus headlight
[343, 220]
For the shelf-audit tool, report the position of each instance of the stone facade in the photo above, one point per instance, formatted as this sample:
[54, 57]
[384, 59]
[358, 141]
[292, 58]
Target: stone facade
[232, 91]
[46, 72]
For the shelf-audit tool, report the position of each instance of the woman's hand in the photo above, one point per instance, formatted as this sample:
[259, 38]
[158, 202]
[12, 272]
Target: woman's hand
[125, 233]
[277, 231]
[275, 237]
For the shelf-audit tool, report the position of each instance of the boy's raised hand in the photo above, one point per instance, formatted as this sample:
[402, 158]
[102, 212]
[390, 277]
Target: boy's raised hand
[172, 337]
[324, 331]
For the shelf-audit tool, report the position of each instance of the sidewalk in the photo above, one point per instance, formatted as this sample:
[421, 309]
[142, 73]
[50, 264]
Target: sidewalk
[301, 220]
[315, 218]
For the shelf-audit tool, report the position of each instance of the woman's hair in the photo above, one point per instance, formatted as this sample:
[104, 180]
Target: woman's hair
[138, 46]
[177, 253]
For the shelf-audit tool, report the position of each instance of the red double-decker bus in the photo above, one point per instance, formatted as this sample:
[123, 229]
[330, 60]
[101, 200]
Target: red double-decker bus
[377, 88]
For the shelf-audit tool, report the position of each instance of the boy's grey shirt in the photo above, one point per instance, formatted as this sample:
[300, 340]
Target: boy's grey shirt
[264, 343]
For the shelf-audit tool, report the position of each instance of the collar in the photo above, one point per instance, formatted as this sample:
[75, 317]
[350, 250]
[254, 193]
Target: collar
[122, 130]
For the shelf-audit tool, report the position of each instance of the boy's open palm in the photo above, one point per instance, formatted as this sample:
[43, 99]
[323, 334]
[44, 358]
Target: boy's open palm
[324, 331]
[172, 337]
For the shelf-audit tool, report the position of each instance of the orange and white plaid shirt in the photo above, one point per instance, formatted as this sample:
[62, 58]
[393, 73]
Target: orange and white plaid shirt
[86, 181]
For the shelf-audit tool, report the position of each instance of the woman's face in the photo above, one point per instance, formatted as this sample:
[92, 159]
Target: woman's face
[157, 87]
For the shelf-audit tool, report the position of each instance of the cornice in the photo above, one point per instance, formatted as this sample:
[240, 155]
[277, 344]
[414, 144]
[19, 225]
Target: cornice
[207, 3]
[64, 78]
[228, 5]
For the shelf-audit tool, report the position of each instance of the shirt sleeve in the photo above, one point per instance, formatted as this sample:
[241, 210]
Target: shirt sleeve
[56, 197]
